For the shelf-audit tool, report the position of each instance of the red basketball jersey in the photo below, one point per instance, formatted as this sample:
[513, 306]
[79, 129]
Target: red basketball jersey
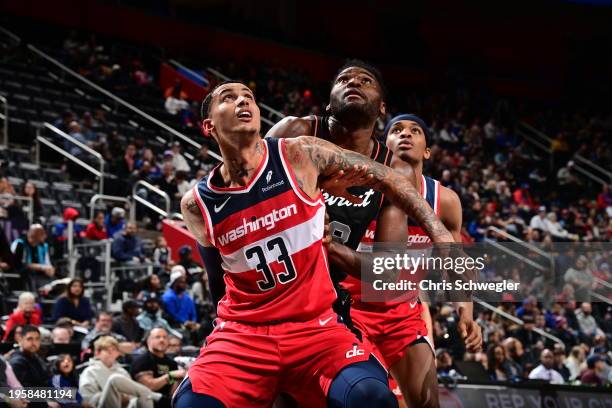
[269, 234]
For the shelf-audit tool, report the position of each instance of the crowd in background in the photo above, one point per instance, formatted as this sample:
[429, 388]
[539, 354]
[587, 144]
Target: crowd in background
[502, 181]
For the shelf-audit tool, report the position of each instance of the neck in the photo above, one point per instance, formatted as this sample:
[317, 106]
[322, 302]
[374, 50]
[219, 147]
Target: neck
[157, 353]
[240, 161]
[355, 139]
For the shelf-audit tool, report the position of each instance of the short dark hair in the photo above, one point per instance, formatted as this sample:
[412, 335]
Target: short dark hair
[205, 108]
[367, 67]
[28, 328]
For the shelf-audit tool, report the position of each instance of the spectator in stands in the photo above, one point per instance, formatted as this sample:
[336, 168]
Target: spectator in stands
[150, 316]
[538, 221]
[177, 302]
[32, 256]
[581, 279]
[148, 156]
[155, 370]
[175, 345]
[564, 333]
[96, 230]
[499, 368]
[126, 324]
[526, 334]
[187, 262]
[7, 193]
[88, 128]
[103, 327]
[200, 174]
[74, 130]
[557, 231]
[64, 376]
[586, 321]
[60, 335]
[127, 247]
[166, 180]
[126, 166]
[74, 305]
[182, 185]
[178, 160]
[204, 161]
[29, 367]
[104, 383]
[64, 121]
[545, 370]
[174, 101]
[26, 313]
[559, 363]
[151, 285]
[115, 222]
[162, 254]
[8, 380]
[576, 362]
[515, 353]
[595, 372]
[29, 189]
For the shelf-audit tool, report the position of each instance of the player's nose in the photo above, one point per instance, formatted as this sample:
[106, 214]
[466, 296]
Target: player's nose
[242, 101]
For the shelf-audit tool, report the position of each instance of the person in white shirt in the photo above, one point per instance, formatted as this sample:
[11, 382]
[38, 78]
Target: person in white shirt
[178, 160]
[538, 221]
[545, 371]
[105, 384]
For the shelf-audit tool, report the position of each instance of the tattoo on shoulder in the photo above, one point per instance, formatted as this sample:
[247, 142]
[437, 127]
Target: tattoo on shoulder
[192, 206]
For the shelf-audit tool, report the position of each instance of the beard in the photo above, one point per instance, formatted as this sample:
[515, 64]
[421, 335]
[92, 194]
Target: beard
[354, 115]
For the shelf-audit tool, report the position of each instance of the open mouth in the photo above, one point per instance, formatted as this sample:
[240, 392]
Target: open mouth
[353, 94]
[245, 116]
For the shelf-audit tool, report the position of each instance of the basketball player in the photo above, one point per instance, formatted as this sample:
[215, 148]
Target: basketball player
[408, 138]
[263, 210]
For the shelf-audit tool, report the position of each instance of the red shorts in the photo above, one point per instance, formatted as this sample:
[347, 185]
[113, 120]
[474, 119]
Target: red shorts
[249, 365]
[390, 328]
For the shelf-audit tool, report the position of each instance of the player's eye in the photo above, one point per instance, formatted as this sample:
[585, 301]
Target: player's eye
[366, 81]
[396, 130]
[228, 97]
[416, 130]
[341, 80]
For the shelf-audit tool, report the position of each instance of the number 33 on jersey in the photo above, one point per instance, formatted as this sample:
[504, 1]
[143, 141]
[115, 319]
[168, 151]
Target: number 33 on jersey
[269, 234]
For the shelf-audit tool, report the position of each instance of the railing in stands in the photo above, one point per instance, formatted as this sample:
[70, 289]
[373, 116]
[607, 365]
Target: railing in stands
[115, 98]
[585, 167]
[102, 197]
[14, 37]
[223, 77]
[549, 257]
[40, 139]
[516, 320]
[138, 199]
[5, 119]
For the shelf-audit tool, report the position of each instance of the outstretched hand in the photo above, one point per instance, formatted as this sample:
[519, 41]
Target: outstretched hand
[338, 183]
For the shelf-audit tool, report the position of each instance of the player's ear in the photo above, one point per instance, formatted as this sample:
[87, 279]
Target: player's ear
[207, 127]
[427, 153]
[328, 108]
[382, 110]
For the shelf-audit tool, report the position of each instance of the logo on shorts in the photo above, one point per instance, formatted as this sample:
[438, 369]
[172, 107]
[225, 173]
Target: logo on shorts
[354, 352]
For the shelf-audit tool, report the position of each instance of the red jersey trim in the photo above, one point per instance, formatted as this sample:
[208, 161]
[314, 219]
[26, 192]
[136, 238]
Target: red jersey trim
[294, 185]
[250, 184]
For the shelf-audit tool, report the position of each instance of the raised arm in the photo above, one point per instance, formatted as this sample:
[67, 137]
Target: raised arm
[312, 158]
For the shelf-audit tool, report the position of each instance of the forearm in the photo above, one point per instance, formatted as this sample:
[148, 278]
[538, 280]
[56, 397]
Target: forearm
[154, 384]
[346, 259]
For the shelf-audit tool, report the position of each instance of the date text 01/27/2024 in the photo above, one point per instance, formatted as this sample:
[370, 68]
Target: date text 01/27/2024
[39, 394]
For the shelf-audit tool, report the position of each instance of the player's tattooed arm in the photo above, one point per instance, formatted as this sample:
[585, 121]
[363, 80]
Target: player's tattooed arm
[312, 157]
[193, 218]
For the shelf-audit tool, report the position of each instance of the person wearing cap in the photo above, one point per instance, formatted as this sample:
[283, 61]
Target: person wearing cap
[127, 247]
[59, 231]
[151, 315]
[32, 256]
[126, 324]
[186, 261]
[559, 363]
[526, 334]
[545, 371]
[595, 372]
[177, 302]
[115, 222]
